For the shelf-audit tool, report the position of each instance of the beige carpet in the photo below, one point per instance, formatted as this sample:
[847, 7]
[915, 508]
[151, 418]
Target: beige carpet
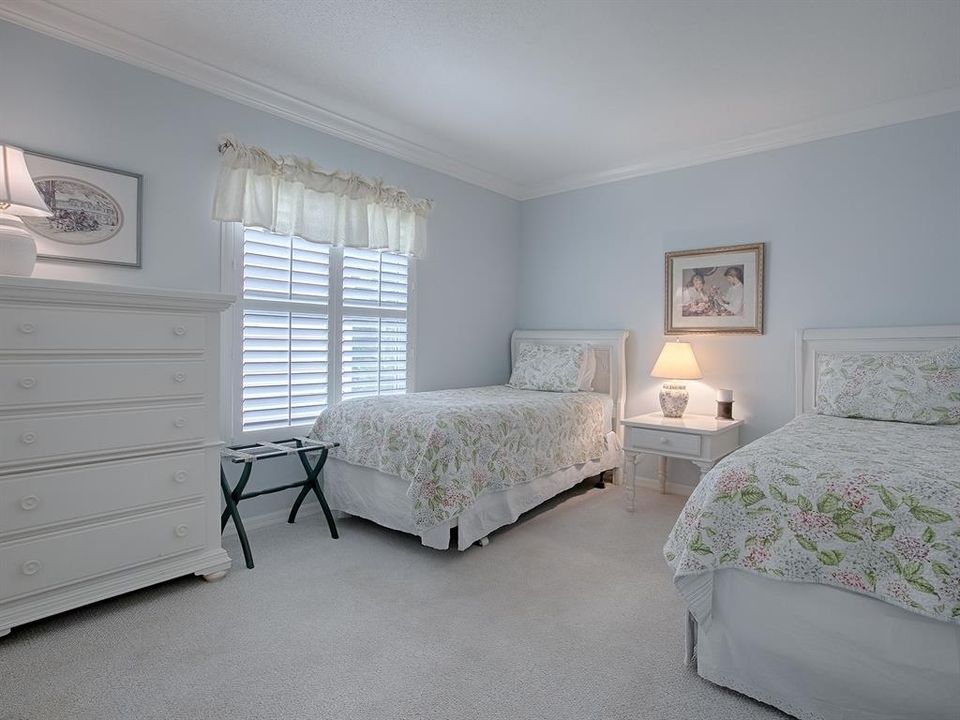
[569, 614]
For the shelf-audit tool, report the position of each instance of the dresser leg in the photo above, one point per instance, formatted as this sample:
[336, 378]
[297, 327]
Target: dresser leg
[214, 576]
[662, 474]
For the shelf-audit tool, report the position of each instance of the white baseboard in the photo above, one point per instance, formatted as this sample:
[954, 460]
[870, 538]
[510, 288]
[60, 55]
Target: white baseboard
[672, 487]
[276, 517]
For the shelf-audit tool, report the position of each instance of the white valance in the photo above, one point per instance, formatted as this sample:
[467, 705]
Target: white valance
[292, 196]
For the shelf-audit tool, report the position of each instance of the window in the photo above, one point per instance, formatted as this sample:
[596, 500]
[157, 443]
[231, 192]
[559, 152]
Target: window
[315, 324]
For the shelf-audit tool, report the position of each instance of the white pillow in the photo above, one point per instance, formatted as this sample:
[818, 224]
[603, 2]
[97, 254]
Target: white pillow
[555, 368]
[919, 388]
[588, 371]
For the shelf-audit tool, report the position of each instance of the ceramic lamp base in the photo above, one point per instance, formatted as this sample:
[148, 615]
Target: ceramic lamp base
[18, 251]
[673, 399]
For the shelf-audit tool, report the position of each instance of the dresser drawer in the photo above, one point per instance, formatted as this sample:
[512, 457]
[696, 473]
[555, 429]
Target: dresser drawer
[660, 441]
[38, 499]
[102, 331]
[46, 437]
[62, 558]
[51, 383]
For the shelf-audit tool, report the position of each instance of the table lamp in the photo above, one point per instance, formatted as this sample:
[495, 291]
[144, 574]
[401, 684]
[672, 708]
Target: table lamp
[19, 197]
[676, 362]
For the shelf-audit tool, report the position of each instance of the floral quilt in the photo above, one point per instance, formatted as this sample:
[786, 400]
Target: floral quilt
[453, 446]
[872, 507]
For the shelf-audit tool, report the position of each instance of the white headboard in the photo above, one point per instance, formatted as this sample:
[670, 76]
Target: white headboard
[609, 347]
[811, 343]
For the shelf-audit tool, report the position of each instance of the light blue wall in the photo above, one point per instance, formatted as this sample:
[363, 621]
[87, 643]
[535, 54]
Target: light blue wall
[862, 229]
[67, 101]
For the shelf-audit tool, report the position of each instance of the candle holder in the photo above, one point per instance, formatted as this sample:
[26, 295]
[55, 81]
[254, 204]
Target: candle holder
[724, 409]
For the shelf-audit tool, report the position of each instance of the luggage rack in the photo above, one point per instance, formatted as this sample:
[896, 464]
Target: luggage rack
[253, 452]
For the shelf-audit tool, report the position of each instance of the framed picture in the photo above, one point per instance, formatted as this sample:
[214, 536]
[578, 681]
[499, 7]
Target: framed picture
[96, 212]
[714, 290]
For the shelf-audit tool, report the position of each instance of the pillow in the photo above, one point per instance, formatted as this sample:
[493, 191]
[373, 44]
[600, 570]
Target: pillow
[588, 371]
[556, 368]
[921, 388]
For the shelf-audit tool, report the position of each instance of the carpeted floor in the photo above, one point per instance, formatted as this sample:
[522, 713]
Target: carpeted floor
[569, 614]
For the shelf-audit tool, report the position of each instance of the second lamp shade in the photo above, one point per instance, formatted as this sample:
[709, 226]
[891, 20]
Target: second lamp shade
[677, 362]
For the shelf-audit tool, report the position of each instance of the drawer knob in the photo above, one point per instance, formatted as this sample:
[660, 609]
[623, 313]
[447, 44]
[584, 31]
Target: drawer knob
[180, 476]
[180, 422]
[179, 377]
[28, 438]
[181, 531]
[27, 382]
[180, 331]
[30, 567]
[27, 328]
[29, 502]
[664, 441]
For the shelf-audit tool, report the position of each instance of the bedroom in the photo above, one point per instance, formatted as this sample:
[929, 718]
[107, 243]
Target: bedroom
[832, 138]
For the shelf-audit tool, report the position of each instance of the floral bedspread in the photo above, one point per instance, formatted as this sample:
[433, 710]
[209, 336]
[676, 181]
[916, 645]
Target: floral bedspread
[454, 445]
[872, 507]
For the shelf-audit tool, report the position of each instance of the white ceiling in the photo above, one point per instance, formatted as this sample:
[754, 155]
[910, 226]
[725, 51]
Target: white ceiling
[529, 97]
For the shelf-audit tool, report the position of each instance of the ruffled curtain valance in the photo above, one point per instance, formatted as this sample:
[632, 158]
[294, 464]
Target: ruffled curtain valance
[292, 196]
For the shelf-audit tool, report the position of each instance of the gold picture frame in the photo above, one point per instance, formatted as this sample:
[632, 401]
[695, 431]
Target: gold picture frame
[715, 290]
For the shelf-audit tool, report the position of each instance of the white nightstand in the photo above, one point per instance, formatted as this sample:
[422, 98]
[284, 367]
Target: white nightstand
[701, 439]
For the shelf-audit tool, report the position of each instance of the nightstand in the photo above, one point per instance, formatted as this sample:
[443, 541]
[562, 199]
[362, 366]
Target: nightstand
[701, 439]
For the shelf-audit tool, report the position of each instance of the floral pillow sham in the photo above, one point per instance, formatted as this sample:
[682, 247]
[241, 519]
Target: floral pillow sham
[922, 388]
[554, 368]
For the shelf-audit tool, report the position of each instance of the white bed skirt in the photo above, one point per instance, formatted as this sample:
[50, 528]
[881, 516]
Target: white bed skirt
[382, 498]
[821, 653]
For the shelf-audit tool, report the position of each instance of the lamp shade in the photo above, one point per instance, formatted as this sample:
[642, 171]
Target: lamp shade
[18, 194]
[677, 362]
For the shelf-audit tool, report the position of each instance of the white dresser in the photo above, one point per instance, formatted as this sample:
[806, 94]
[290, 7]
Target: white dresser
[109, 442]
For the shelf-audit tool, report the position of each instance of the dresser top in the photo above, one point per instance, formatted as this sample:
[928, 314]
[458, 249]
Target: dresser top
[702, 424]
[42, 291]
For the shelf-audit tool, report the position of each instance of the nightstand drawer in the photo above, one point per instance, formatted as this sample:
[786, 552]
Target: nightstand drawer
[662, 441]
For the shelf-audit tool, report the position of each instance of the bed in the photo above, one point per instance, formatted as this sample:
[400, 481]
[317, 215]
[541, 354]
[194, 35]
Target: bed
[821, 564]
[475, 459]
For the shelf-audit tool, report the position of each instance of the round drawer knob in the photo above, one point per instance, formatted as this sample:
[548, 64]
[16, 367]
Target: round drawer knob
[27, 328]
[30, 567]
[181, 531]
[180, 476]
[180, 422]
[179, 377]
[27, 382]
[28, 438]
[29, 502]
[664, 441]
[180, 331]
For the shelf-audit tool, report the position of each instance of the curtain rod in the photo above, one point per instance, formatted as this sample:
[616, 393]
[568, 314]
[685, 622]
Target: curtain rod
[225, 144]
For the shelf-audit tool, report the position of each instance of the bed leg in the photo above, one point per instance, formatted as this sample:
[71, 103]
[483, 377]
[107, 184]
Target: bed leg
[690, 640]
[600, 481]
[483, 542]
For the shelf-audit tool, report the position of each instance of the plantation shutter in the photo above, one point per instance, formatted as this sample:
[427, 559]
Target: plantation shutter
[300, 302]
[286, 293]
[374, 336]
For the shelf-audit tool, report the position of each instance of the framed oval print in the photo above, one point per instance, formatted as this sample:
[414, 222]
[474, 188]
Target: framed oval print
[96, 212]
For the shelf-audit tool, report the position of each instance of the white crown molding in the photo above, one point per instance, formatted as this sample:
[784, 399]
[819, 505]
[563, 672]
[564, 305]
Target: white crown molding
[77, 29]
[869, 118]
